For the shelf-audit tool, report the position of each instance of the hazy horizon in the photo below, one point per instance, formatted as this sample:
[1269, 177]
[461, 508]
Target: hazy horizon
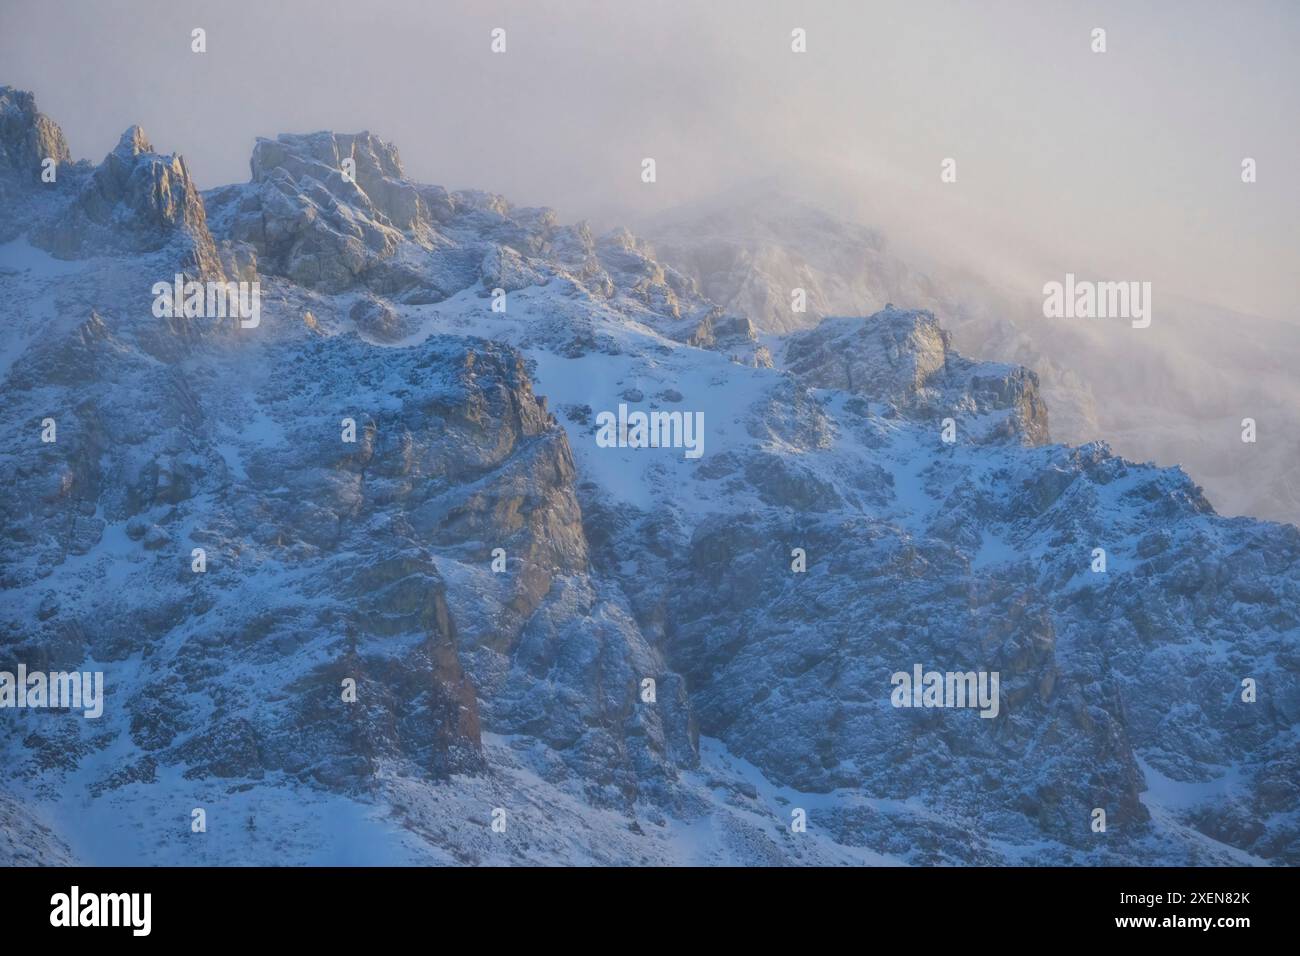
[1066, 159]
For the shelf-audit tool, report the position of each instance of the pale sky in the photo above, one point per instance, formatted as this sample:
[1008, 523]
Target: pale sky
[1125, 163]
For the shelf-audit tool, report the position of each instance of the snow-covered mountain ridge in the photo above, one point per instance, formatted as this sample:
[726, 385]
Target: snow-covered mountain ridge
[1175, 392]
[524, 690]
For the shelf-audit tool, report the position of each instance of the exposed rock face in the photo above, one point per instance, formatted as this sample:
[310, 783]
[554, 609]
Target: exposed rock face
[378, 320]
[251, 466]
[348, 559]
[798, 651]
[312, 224]
[505, 269]
[335, 213]
[136, 201]
[905, 360]
[378, 170]
[27, 138]
[470, 462]
[734, 334]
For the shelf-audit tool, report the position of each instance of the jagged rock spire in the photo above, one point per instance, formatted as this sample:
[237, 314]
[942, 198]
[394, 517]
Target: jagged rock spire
[27, 137]
[136, 200]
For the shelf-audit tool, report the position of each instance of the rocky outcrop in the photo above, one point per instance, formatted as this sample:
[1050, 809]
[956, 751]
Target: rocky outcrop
[136, 201]
[27, 139]
[376, 319]
[309, 221]
[732, 334]
[36, 168]
[505, 269]
[904, 360]
[372, 165]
